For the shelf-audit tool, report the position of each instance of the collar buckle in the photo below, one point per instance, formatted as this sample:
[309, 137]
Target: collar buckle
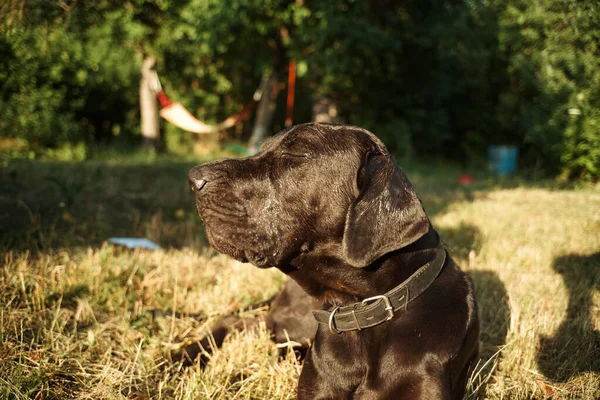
[386, 301]
[332, 327]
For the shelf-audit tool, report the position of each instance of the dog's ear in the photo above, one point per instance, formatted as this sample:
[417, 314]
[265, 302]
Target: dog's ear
[386, 216]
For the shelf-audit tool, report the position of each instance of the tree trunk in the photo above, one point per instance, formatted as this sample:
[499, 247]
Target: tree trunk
[265, 111]
[271, 87]
[149, 104]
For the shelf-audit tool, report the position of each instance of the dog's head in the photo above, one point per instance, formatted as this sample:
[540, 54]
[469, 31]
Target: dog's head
[310, 186]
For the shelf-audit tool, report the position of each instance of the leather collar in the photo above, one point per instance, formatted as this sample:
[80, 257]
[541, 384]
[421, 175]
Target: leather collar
[378, 309]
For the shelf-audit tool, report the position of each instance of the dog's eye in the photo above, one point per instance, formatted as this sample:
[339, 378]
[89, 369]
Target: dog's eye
[293, 155]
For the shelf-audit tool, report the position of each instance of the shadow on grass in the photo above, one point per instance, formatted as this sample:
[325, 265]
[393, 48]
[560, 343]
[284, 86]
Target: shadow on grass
[575, 347]
[492, 302]
[56, 205]
[461, 240]
[494, 316]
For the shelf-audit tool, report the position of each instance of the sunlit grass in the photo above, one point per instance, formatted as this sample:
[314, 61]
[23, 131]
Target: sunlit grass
[542, 250]
[83, 319]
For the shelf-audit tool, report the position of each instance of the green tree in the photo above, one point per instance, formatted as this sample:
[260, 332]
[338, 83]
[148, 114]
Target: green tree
[433, 78]
[65, 76]
[226, 48]
[553, 94]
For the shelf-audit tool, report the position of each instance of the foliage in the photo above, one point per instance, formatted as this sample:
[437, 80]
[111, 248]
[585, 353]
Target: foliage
[464, 75]
[433, 78]
[552, 59]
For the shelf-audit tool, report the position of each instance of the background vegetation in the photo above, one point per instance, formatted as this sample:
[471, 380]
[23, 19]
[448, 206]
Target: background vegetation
[433, 78]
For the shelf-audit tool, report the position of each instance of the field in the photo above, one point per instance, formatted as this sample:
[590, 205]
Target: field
[80, 318]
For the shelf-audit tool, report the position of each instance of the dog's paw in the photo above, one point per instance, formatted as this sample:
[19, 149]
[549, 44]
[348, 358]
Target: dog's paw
[191, 355]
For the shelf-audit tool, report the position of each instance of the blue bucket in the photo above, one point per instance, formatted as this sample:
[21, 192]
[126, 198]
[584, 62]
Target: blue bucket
[503, 159]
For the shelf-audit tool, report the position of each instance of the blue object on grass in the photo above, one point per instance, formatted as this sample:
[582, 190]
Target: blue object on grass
[503, 159]
[134, 243]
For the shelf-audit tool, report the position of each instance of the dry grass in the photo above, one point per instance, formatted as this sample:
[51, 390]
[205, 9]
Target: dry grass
[535, 260]
[83, 319]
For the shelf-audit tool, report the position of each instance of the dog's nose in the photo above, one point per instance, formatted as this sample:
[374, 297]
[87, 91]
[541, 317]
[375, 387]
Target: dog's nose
[196, 181]
[198, 184]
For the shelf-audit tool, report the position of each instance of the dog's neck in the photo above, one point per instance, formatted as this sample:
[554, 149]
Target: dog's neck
[324, 274]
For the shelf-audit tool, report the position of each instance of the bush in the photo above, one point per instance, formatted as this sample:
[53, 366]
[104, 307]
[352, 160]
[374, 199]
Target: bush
[61, 90]
[443, 79]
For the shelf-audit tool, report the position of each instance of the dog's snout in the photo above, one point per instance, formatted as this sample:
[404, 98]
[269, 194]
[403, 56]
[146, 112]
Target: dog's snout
[196, 180]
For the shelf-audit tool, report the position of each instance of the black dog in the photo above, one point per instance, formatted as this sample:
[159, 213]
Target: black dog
[328, 206]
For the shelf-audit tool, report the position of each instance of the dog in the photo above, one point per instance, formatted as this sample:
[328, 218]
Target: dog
[394, 316]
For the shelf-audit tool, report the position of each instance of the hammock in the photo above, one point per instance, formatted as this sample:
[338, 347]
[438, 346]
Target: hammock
[175, 112]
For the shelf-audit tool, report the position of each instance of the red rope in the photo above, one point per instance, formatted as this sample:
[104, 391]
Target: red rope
[163, 99]
[290, 93]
